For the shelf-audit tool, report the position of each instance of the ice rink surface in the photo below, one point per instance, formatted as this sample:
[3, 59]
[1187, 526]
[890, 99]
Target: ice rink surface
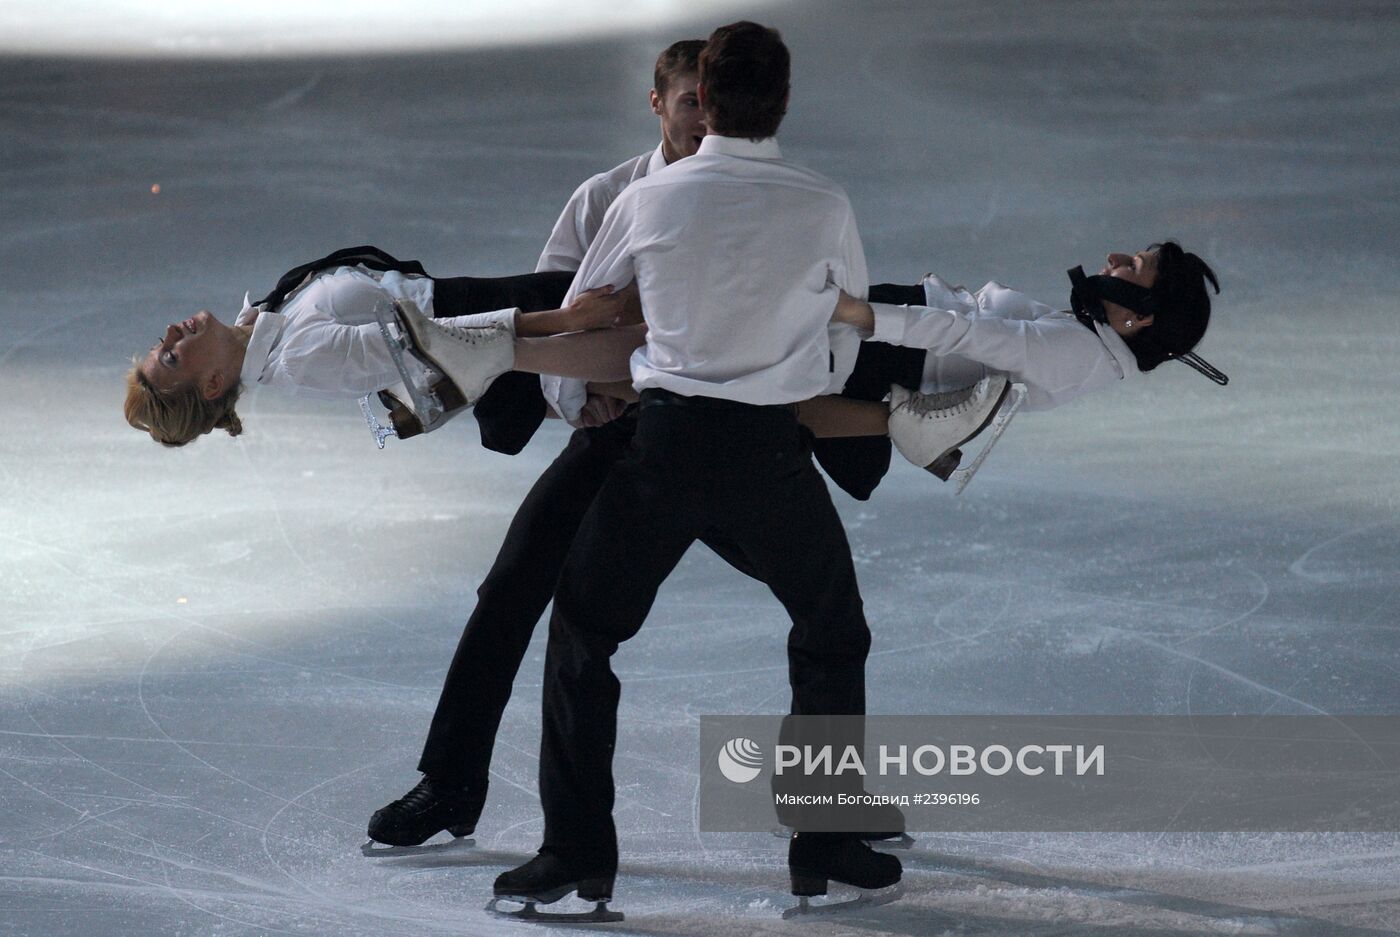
[216, 662]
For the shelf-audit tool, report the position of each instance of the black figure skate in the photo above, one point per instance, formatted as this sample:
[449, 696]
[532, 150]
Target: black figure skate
[817, 859]
[544, 880]
[432, 806]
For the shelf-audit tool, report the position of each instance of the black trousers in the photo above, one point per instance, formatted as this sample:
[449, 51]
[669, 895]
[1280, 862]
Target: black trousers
[513, 596]
[511, 599]
[515, 592]
[698, 468]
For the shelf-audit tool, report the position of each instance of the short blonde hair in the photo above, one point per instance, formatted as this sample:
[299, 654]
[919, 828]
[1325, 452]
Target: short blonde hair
[179, 416]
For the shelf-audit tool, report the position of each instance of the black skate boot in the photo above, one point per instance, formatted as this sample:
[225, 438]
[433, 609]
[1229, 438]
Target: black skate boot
[886, 830]
[431, 806]
[816, 859]
[547, 878]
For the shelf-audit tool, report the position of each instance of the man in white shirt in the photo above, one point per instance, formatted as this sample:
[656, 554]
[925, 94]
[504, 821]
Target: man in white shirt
[677, 108]
[737, 309]
[674, 102]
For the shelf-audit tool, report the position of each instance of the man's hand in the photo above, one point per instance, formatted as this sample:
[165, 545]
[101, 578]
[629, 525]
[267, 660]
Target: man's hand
[599, 409]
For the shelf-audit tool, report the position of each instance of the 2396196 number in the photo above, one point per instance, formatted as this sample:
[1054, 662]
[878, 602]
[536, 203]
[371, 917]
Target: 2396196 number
[940, 799]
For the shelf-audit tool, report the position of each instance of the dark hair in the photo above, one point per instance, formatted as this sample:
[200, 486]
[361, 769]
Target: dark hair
[1182, 306]
[680, 59]
[744, 70]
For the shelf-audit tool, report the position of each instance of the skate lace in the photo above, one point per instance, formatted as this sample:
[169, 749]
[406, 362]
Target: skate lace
[469, 336]
[942, 405]
[423, 795]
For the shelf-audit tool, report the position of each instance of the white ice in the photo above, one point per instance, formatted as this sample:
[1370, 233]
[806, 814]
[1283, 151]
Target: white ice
[215, 663]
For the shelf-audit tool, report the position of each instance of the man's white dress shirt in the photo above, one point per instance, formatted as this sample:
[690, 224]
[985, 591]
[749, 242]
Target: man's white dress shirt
[324, 340]
[583, 214]
[1056, 357]
[578, 224]
[738, 255]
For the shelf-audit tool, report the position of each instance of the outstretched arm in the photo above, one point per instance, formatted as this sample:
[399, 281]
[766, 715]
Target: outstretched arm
[856, 312]
[601, 358]
[599, 308]
[599, 355]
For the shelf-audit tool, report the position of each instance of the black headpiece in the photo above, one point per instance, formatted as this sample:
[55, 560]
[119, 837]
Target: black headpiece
[1180, 310]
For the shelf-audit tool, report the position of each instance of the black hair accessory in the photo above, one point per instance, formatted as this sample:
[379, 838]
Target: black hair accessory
[1087, 294]
[1205, 367]
[1086, 300]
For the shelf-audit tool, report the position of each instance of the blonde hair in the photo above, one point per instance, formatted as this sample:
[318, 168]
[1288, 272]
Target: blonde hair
[179, 416]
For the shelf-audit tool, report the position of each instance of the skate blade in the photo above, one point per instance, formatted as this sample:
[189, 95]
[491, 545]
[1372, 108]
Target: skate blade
[902, 841]
[528, 911]
[380, 431]
[1013, 397]
[427, 409]
[866, 899]
[383, 851]
[945, 466]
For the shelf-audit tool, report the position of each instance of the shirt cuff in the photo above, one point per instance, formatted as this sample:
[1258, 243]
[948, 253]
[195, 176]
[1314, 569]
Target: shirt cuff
[565, 396]
[892, 322]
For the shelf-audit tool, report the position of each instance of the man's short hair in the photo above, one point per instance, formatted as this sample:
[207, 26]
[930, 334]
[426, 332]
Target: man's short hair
[680, 59]
[744, 70]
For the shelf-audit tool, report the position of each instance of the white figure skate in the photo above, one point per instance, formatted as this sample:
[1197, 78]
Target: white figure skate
[928, 429]
[462, 359]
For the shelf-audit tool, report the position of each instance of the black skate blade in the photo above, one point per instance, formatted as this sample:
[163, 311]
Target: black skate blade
[865, 899]
[528, 911]
[902, 841]
[383, 851]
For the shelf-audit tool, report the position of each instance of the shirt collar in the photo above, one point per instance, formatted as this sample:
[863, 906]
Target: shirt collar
[713, 144]
[657, 161]
[1127, 361]
[267, 328]
[248, 313]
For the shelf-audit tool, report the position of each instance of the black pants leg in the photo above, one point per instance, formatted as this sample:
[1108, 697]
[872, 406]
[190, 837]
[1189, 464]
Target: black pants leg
[510, 601]
[743, 474]
[532, 292]
[516, 590]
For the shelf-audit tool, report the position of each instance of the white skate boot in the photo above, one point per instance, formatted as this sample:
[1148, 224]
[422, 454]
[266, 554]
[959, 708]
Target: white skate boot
[462, 356]
[471, 355]
[928, 428]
